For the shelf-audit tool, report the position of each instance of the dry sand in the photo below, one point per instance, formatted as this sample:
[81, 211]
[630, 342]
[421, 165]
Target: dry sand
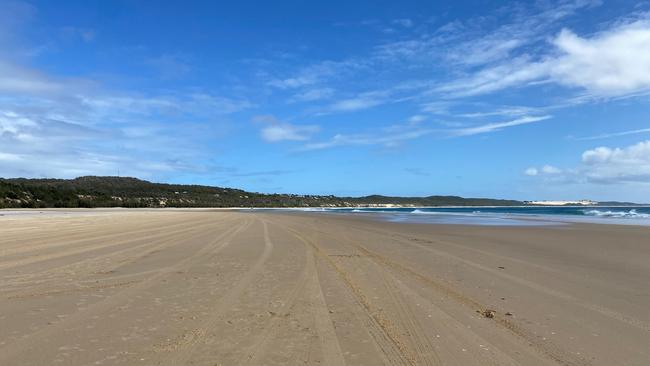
[227, 288]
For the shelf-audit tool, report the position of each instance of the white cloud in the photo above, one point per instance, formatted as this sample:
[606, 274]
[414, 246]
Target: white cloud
[616, 62]
[276, 131]
[365, 100]
[395, 134]
[197, 104]
[315, 74]
[62, 127]
[549, 169]
[294, 82]
[514, 46]
[387, 140]
[417, 119]
[510, 111]
[16, 79]
[285, 131]
[493, 127]
[36, 146]
[355, 104]
[312, 95]
[6, 157]
[615, 134]
[532, 171]
[516, 72]
[612, 63]
[476, 41]
[604, 165]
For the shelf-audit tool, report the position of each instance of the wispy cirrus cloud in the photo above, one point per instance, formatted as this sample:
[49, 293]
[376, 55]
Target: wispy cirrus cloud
[190, 103]
[614, 134]
[612, 63]
[360, 102]
[65, 127]
[316, 73]
[59, 144]
[287, 132]
[275, 130]
[396, 134]
[528, 47]
[387, 140]
[497, 126]
[19, 79]
[34, 146]
[312, 95]
[477, 41]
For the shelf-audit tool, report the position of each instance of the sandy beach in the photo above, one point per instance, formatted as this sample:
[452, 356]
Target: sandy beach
[213, 287]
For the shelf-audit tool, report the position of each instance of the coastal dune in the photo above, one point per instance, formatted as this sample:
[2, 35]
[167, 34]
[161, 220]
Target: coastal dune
[216, 287]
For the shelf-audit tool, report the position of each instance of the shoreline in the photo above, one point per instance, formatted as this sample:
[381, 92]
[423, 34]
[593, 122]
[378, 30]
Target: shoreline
[431, 218]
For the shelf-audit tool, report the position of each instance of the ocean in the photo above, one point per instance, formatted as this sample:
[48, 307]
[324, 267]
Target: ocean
[508, 216]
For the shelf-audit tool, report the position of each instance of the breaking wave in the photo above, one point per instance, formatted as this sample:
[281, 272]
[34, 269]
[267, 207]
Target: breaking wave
[618, 214]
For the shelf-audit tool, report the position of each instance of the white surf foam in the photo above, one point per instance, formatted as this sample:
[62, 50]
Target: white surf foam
[633, 214]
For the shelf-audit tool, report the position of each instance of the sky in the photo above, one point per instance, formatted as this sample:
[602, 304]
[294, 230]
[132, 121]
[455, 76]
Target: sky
[521, 100]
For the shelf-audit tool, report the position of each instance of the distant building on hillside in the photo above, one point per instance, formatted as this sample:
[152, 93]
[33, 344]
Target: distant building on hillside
[562, 203]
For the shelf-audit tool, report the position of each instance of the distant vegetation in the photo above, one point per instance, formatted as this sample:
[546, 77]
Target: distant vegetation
[131, 192]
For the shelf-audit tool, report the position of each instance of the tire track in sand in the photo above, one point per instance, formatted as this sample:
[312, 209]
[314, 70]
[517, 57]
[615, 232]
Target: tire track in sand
[186, 350]
[254, 355]
[34, 288]
[66, 239]
[78, 250]
[393, 348]
[132, 254]
[521, 281]
[422, 350]
[558, 355]
[328, 340]
[104, 307]
[425, 353]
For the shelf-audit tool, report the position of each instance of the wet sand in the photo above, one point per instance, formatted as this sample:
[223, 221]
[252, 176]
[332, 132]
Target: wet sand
[201, 287]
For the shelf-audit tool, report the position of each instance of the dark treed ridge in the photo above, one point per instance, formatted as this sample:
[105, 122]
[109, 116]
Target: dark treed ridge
[92, 191]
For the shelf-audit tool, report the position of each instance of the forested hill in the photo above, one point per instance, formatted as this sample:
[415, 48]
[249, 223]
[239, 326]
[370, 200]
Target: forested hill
[94, 191]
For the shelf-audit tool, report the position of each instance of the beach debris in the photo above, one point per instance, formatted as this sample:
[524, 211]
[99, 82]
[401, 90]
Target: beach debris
[501, 267]
[508, 314]
[488, 313]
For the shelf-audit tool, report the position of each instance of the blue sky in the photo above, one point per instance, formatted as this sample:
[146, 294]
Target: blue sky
[526, 100]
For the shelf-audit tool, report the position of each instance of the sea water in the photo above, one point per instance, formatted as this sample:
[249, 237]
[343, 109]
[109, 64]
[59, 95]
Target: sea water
[509, 216]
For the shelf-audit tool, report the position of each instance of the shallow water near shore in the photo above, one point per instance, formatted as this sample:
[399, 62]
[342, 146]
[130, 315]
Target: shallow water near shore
[505, 216]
